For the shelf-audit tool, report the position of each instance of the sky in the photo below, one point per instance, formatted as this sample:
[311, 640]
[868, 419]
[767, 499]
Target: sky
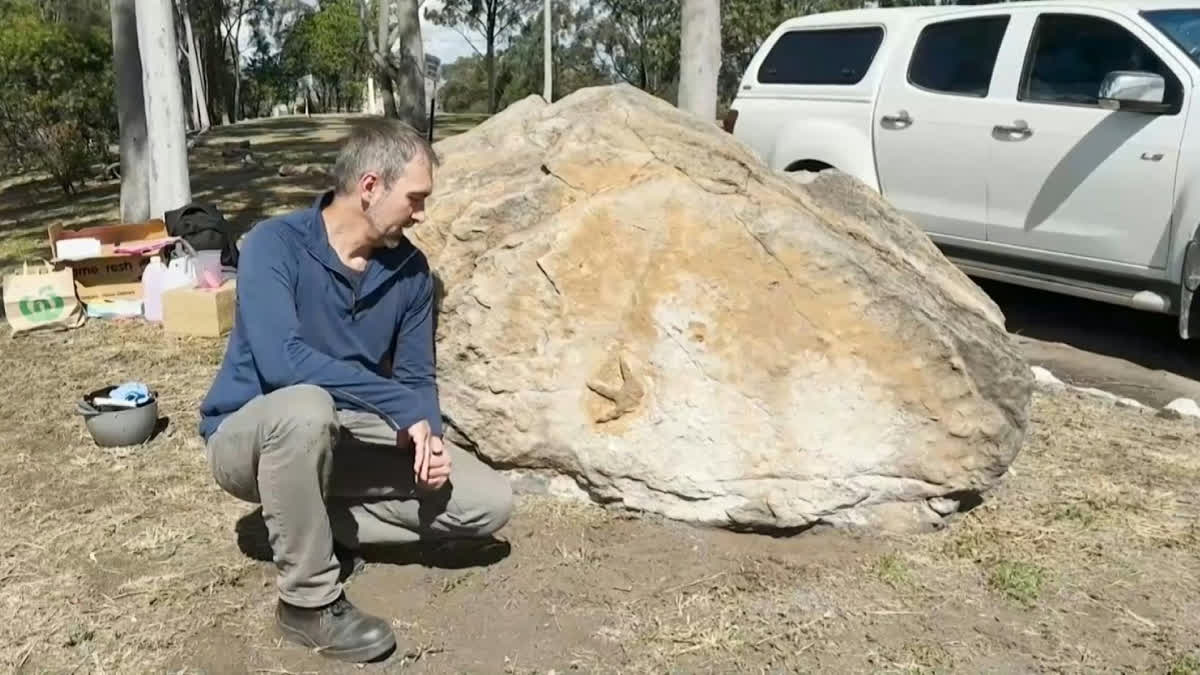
[443, 41]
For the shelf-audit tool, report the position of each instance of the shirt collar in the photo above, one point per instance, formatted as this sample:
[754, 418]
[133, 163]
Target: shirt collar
[318, 236]
[383, 261]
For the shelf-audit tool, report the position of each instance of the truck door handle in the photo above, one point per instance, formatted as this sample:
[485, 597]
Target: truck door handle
[1019, 131]
[901, 120]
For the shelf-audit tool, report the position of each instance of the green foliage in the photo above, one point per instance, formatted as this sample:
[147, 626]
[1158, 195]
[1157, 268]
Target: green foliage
[639, 41]
[1018, 580]
[466, 87]
[575, 65]
[495, 20]
[58, 110]
[611, 40]
[331, 45]
[893, 570]
[521, 67]
[268, 81]
[1184, 665]
[336, 41]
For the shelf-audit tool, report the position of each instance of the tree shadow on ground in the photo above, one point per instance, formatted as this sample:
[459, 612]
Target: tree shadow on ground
[245, 193]
[273, 125]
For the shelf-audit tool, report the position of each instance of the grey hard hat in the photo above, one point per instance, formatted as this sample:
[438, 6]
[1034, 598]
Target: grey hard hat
[118, 427]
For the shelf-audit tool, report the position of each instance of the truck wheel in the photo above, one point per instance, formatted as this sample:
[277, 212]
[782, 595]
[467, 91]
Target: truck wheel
[1189, 298]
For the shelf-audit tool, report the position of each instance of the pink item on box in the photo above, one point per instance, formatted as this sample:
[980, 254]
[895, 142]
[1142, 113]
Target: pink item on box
[208, 273]
[146, 247]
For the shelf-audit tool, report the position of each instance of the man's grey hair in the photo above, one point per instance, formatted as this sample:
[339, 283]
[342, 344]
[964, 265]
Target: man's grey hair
[381, 145]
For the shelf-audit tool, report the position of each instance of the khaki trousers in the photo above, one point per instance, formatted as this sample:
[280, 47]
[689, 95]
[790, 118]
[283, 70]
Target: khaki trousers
[323, 474]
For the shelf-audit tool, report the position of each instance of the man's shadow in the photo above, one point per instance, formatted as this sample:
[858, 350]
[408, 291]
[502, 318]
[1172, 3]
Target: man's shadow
[253, 540]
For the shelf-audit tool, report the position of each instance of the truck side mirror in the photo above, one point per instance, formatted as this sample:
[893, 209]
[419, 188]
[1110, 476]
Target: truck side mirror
[1134, 91]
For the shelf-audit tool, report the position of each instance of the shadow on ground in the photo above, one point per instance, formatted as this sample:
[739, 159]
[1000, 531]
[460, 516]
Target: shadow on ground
[1146, 339]
[253, 541]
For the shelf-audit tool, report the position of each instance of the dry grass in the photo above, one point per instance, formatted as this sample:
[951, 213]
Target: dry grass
[127, 561]
[1085, 560]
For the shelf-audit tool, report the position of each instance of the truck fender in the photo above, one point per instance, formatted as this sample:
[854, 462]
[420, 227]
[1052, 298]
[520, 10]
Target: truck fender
[832, 142]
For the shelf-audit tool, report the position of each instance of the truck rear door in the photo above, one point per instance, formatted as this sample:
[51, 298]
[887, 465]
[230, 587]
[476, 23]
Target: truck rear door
[933, 123]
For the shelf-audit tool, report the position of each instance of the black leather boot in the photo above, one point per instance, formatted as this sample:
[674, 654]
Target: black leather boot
[338, 630]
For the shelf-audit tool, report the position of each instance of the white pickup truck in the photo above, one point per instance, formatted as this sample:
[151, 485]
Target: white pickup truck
[1049, 144]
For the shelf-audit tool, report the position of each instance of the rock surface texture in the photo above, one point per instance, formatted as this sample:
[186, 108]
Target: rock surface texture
[633, 300]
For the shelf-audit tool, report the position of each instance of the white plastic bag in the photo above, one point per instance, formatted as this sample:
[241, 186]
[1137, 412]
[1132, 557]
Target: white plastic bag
[183, 270]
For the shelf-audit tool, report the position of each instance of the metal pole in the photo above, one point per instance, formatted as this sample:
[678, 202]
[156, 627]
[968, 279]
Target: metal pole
[432, 110]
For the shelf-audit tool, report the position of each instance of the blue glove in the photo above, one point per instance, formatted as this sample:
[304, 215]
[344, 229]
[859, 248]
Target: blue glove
[131, 391]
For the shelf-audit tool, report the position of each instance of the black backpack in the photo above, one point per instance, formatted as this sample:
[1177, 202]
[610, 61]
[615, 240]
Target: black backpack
[203, 226]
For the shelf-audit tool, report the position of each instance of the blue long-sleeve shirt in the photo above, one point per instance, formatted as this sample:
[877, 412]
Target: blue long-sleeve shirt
[303, 317]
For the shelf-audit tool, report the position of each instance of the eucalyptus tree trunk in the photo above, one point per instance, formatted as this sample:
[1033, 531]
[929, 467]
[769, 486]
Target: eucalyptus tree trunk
[169, 184]
[548, 54]
[410, 85]
[131, 113]
[195, 71]
[700, 57]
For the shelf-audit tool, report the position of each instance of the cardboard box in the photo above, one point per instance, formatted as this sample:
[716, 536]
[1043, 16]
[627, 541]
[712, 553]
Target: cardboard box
[111, 275]
[200, 312]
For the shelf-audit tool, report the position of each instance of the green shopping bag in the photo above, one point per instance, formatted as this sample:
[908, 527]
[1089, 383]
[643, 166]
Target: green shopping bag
[42, 299]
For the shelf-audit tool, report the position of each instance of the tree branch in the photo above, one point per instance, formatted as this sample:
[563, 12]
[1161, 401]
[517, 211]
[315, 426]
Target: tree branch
[515, 17]
[612, 60]
[469, 43]
[480, 25]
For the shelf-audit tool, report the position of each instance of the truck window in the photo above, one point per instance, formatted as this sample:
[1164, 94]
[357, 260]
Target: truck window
[1070, 55]
[1182, 26]
[835, 56]
[958, 57]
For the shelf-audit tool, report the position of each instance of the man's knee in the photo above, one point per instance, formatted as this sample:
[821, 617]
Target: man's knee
[499, 507]
[487, 506]
[301, 418]
[283, 432]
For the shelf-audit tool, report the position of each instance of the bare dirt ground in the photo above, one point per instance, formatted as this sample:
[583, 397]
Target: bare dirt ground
[1084, 560]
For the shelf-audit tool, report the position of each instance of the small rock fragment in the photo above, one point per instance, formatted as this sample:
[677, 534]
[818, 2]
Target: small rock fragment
[943, 506]
[1130, 403]
[1046, 381]
[1099, 393]
[1183, 407]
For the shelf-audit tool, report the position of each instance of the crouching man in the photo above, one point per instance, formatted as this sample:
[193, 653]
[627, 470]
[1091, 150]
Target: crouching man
[325, 409]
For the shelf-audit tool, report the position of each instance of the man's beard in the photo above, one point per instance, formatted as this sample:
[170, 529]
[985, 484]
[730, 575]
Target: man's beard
[388, 240]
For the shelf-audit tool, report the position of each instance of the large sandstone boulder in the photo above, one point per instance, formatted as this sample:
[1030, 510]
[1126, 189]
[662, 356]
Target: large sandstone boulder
[632, 300]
